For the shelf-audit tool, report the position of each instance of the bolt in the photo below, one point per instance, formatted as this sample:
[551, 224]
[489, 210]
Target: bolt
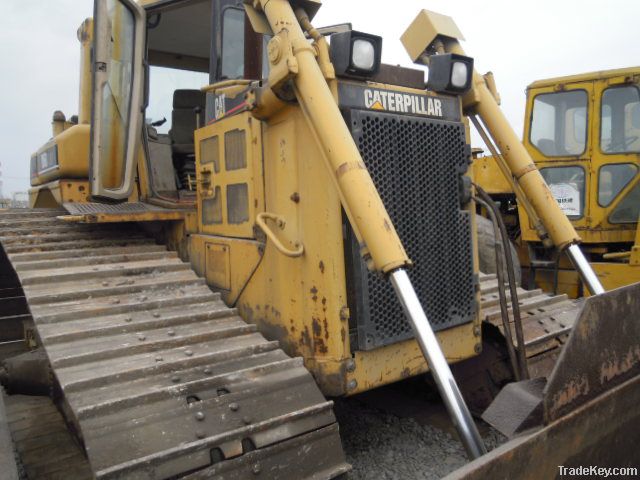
[128, 319]
[478, 348]
[207, 371]
[156, 315]
[188, 353]
[143, 298]
[115, 301]
[295, 197]
[352, 385]
[171, 333]
[476, 331]
[142, 338]
[159, 358]
[200, 434]
[351, 366]
[175, 379]
[234, 407]
[246, 420]
[199, 416]
[256, 469]
[105, 284]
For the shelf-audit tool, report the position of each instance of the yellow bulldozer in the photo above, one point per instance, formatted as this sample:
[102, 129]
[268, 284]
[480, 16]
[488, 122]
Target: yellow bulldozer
[302, 228]
[583, 132]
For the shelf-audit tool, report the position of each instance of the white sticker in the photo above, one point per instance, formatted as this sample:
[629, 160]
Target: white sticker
[568, 197]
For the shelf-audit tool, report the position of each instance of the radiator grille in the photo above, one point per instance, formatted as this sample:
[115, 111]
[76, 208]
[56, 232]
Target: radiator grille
[416, 164]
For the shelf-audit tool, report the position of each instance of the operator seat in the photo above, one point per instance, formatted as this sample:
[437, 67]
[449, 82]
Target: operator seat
[184, 123]
[183, 118]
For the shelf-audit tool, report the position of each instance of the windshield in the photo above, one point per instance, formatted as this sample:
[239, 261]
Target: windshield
[559, 123]
[620, 123]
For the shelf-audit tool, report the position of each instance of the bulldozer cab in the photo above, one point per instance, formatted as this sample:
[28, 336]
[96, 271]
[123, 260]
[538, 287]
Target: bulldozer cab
[583, 132]
[157, 56]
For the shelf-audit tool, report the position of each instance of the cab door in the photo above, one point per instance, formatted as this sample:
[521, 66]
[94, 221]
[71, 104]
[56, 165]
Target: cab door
[118, 97]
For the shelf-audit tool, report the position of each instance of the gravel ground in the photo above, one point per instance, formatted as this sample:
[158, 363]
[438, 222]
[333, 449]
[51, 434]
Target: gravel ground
[400, 433]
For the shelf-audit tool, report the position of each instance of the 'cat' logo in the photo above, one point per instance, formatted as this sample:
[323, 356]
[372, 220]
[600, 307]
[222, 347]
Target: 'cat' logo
[385, 100]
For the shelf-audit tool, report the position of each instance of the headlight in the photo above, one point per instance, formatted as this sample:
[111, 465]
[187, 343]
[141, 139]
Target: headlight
[459, 74]
[450, 73]
[364, 54]
[356, 54]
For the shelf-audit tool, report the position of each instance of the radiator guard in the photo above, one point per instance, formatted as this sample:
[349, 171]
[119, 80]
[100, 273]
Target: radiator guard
[416, 164]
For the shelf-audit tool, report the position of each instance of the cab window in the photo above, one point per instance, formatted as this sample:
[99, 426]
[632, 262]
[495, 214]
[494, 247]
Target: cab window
[232, 63]
[567, 185]
[559, 123]
[612, 180]
[620, 120]
[163, 83]
[628, 210]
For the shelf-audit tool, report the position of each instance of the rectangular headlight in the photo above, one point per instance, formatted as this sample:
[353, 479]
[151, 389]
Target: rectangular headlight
[450, 73]
[356, 54]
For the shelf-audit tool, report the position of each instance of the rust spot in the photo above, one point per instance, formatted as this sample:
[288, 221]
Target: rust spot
[405, 373]
[305, 338]
[314, 294]
[295, 197]
[343, 334]
[326, 329]
[348, 166]
[387, 226]
[321, 266]
[317, 328]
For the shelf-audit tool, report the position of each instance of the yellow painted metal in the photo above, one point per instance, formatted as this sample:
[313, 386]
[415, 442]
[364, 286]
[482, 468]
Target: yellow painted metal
[229, 154]
[53, 194]
[425, 29]
[240, 261]
[73, 154]
[85, 36]
[360, 198]
[403, 360]
[151, 216]
[488, 174]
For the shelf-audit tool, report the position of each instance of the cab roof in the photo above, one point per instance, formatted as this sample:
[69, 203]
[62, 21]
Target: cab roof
[585, 77]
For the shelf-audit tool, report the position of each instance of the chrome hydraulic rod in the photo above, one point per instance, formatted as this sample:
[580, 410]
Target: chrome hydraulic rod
[587, 274]
[437, 363]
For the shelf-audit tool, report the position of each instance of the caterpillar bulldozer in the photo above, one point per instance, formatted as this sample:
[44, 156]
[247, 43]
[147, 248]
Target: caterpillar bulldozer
[304, 230]
[583, 132]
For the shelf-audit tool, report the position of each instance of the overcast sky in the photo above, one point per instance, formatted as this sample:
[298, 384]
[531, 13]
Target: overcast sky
[518, 41]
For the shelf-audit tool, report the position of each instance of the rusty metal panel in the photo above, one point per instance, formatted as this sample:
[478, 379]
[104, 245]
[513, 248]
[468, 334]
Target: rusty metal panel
[602, 351]
[604, 432]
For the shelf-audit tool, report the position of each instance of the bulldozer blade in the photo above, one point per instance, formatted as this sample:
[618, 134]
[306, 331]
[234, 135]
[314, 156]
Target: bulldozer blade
[589, 413]
[603, 351]
[602, 434]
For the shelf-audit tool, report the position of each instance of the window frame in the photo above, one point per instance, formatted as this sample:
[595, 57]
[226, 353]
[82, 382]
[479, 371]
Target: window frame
[587, 133]
[613, 87]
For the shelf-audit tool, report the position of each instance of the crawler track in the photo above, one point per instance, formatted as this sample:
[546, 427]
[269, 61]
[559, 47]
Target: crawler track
[158, 377]
[547, 321]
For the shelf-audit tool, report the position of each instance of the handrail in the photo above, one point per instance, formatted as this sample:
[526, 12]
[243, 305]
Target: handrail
[280, 221]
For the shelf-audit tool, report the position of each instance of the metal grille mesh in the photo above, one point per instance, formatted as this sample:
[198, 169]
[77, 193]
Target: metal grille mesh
[416, 165]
